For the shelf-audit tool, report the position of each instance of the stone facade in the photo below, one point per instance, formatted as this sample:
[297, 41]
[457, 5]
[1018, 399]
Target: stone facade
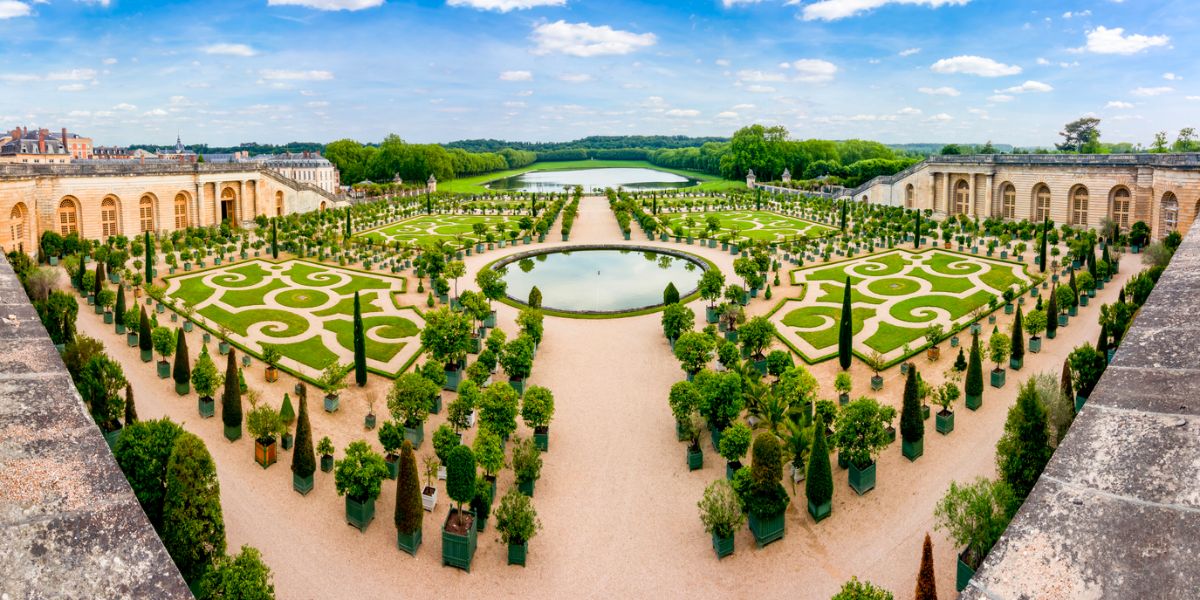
[100, 200]
[1161, 189]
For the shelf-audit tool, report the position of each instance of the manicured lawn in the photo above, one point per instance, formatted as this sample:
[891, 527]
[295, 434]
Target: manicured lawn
[474, 185]
[752, 224]
[389, 327]
[443, 228]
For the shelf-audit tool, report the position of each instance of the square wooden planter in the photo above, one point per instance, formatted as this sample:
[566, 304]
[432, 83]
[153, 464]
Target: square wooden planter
[458, 549]
[862, 480]
[360, 513]
[304, 485]
[820, 512]
[912, 450]
[409, 542]
[265, 454]
[767, 529]
[517, 553]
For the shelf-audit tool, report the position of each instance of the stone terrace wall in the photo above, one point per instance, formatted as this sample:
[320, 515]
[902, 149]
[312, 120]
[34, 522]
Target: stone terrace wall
[1116, 513]
[70, 526]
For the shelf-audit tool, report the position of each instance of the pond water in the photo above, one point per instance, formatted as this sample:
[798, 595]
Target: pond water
[600, 280]
[591, 179]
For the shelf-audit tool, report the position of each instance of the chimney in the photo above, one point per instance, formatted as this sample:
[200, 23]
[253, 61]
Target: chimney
[41, 141]
[66, 150]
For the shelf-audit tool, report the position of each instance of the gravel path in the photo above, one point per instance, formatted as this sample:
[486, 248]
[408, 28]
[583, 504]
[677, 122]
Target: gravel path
[616, 501]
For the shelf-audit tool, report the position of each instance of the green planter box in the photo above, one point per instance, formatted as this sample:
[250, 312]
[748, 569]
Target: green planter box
[516, 553]
[998, 376]
[108, 317]
[723, 546]
[326, 463]
[820, 512]
[526, 487]
[111, 437]
[409, 542]
[518, 385]
[164, 369]
[184, 388]
[963, 575]
[711, 315]
[695, 459]
[862, 480]
[945, 422]
[767, 529]
[233, 433]
[458, 549]
[1016, 363]
[131, 339]
[541, 438]
[974, 401]
[1035, 344]
[360, 513]
[415, 435]
[393, 465]
[223, 347]
[147, 355]
[912, 450]
[304, 485]
[332, 403]
[1079, 402]
[207, 407]
[452, 379]
[876, 383]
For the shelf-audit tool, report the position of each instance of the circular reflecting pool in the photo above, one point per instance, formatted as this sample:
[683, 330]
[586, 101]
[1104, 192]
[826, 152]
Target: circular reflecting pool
[634, 178]
[600, 279]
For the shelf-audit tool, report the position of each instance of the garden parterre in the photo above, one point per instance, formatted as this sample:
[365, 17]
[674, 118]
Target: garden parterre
[443, 228]
[305, 310]
[895, 296]
[753, 224]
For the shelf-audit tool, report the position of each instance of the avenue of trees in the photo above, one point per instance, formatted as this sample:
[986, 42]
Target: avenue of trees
[415, 162]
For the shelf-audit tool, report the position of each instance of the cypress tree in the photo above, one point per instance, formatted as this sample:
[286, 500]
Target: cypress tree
[1052, 313]
[231, 400]
[1102, 344]
[119, 310]
[98, 283]
[408, 492]
[1071, 283]
[1045, 241]
[671, 294]
[193, 529]
[912, 426]
[145, 344]
[360, 345]
[1091, 262]
[303, 461]
[973, 387]
[149, 260]
[818, 483]
[274, 239]
[1018, 338]
[917, 237]
[1066, 387]
[843, 216]
[846, 331]
[926, 584]
[182, 373]
[1024, 449]
[535, 297]
[130, 410]
[349, 231]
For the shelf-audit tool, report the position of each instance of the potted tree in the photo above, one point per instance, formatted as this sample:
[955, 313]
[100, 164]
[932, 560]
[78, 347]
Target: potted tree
[182, 370]
[694, 350]
[333, 381]
[408, 515]
[677, 319]
[934, 334]
[517, 361]
[458, 531]
[1087, 365]
[391, 436]
[444, 440]
[876, 361]
[721, 513]
[460, 414]
[325, 449]
[999, 346]
[409, 401]
[447, 336]
[303, 465]
[762, 496]
[912, 426]
[264, 424]
[271, 356]
[537, 409]
[818, 484]
[735, 441]
[841, 383]
[974, 383]
[527, 464]
[974, 515]
[489, 454]
[481, 504]
[435, 372]
[429, 493]
[860, 434]
[498, 409]
[685, 401]
[205, 380]
[1034, 324]
[945, 396]
[517, 522]
[692, 428]
[358, 477]
[756, 336]
[163, 339]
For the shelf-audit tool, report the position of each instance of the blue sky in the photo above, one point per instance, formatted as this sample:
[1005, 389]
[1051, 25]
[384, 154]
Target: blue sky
[1013, 71]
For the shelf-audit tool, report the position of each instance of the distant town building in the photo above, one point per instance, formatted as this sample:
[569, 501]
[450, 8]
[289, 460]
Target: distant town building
[305, 167]
[37, 147]
[178, 153]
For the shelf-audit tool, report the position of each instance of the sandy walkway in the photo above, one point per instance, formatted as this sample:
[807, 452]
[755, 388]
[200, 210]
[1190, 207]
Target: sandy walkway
[616, 500]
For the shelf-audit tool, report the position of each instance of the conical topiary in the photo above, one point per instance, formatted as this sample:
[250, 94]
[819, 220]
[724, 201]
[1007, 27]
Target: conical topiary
[231, 400]
[973, 387]
[182, 373]
[286, 411]
[846, 331]
[912, 426]
[409, 511]
[818, 483]
[926, 584]
[303, 460]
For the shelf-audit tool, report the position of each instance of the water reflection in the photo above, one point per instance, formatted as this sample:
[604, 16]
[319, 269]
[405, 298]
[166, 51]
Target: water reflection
[602, 280]
[591, 179]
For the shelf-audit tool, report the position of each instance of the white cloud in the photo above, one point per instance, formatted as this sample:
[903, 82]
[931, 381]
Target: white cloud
[19, 77]
[722, 62]
[939, 91]
[504, 5]
[760, 89]
[125, 106]
[1193, 98]
[1042, 61]
[516, 76]
[514, 104]
[1028, 86]
[813, 70]
[728, 114]
[1172, 77]
[1103, 40]
[1000, 98]
[755, 76]
[744, 107]
[230, 50]
[910, 111]
[1152, 91]
[316, 104]
[909, 52]
[575, 77]
[939, 118]
[158, 112]
[72, 75]
[832, 10]
[582, 39]
[287, 75]
[1118, 104]
[328, 4]
[732, 3]
[974, 65]
[12, 8]
[72, 87]
[682, 112]
[110, 61]
[1077, 14]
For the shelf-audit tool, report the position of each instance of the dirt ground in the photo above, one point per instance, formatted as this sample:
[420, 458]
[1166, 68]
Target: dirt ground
[616, 501]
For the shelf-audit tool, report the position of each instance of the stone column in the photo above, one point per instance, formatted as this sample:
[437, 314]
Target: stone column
[990, 195]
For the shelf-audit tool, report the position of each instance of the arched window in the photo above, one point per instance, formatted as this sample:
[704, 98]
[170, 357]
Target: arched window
[1120, 207]
[908, 196]
[146, 212]
[322, 205]
[181, 211]
[1008, 201]
[1079, 207]
[17, 223]
[229, 206]
[1041, 202]
[108, 218]
[962, 197]
[1170, 214]
[279, 204]
[68, 216]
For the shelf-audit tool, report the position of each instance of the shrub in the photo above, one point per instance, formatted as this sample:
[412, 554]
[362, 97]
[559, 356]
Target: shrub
[1024, 448]
[926, 583]
[526, 460]
[517, 358]
[720, 511]
[999, 347]
[694, 350]
[861, 432]
[391, 435]
[101, 383]
[912, 426]
[231, 399]
[325, 447]
[861, 590]
[764, 496]
[537, 407]
[182, 370]
[142, 452]
[975, 515]
[458, 413]
[1087, 366]
[444, 440]
[303, 463]
[735, 440]
[498, 408]
[722, 397]
[778, 361]
[410, 399]
[409, 511]
[241, 577]
[676, 320]
[193, 529]
[360, 472]
[516, 520]
[489, 451]
[205, 377]
[265, 423]
[756, 336]
[460, 476]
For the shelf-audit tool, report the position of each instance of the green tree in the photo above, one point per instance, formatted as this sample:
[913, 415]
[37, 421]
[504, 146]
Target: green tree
[409, 512]
[303, 461]
[360, 472]
[974, 383]
[694, 350]
[862, 590]
[677, 319]
[537, 407]
[460, 477]
[164, 341]
[360, 344]
[912, 426]
[498, 408]
[447, 335]
[193, 529]
[671, 294]
[818, 484]
[410, 399]
[130, 408]
[1018, 338]
[142, 452]
[1087, 366]
[845, 330]
[975, 515]
[1024, 449]
[535, 297]
[1079, 132]
[145, 342]
[241, 577]
[231, 399]
[101, 384]
[205, 377]
[182, 372]
[756, 336]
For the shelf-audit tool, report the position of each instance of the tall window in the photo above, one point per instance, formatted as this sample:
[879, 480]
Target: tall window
[908, 196]
[1079, 207]
[68, 217]
[146, 213]
[181, 210]
[1120, 207]
[108, 218]
[1170, 213]
[1008, 201]
[17, 224]
[279, 204]
[1041, 202]
[962, 197]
